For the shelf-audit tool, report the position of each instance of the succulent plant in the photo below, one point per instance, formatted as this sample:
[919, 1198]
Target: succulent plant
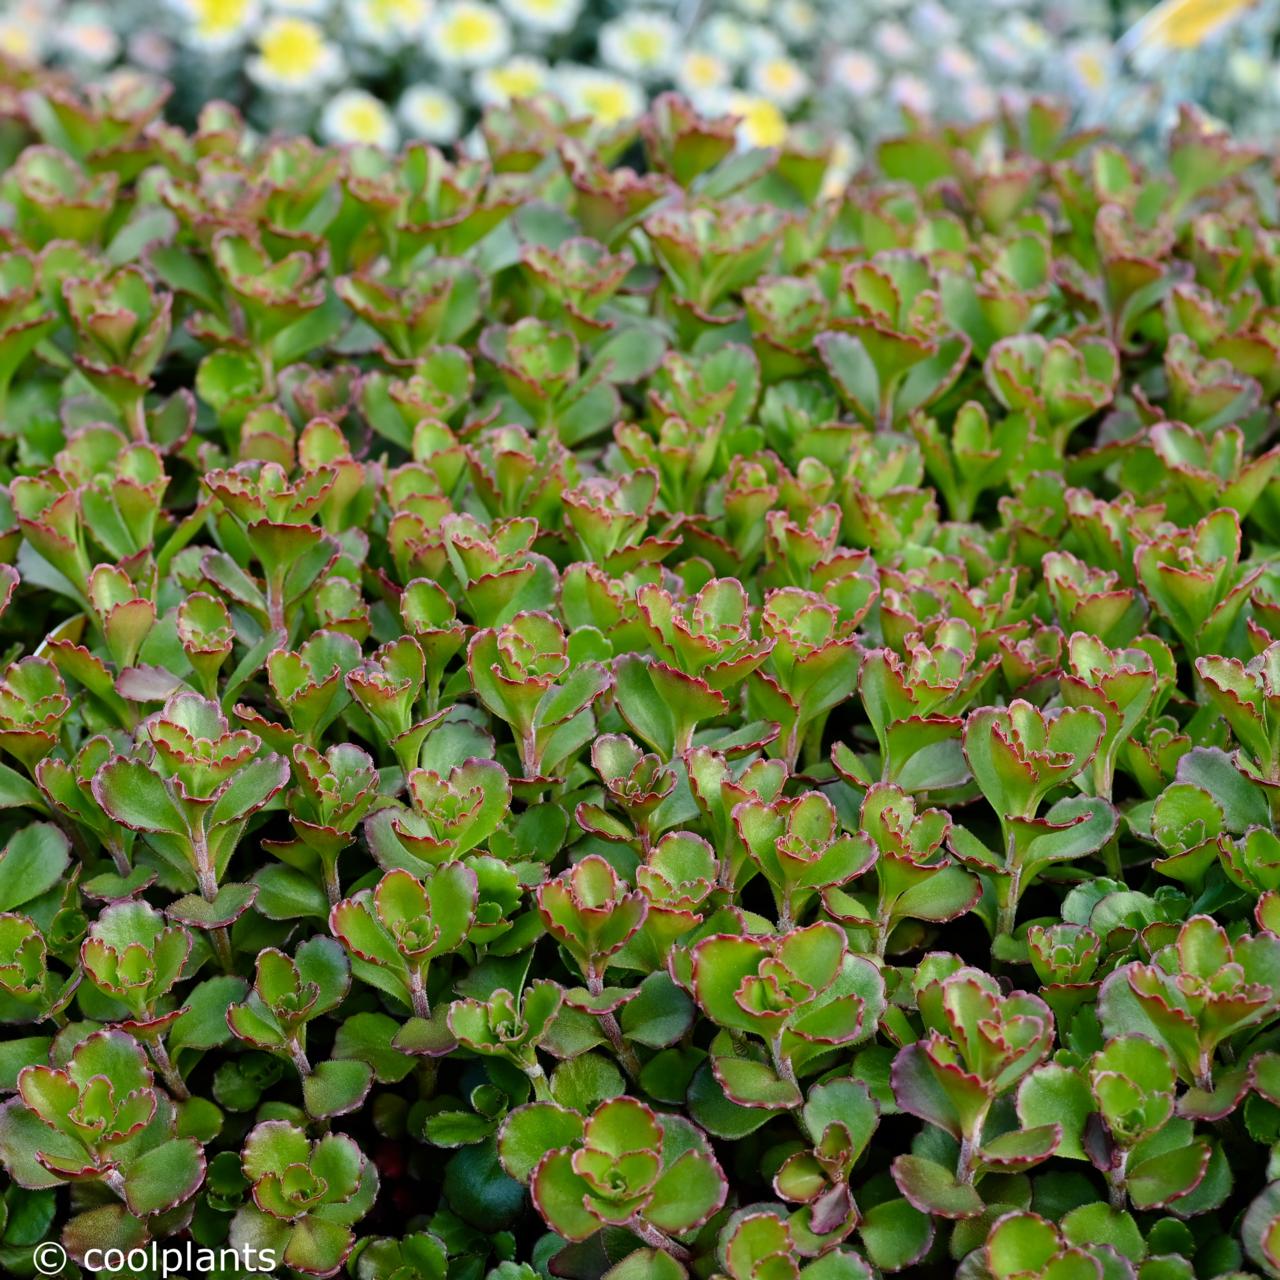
[714, 721]
[623, 1166]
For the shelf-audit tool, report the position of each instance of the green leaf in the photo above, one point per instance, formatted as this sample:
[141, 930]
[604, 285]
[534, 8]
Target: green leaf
[716, 1113]
[584, 1081]
[367, 1037]
[31, 863]
[1054, 1094]
[203, 1024]
[659, 1015]
[287, 894]
[336, 1087]
[137, 798]
[895, 1234]
[647, 1264]
[164, 1177]
[479, 1191]
[755, 1084]
[530, 1131]
[1243, 804]
[932, 1188]
[687, 1194]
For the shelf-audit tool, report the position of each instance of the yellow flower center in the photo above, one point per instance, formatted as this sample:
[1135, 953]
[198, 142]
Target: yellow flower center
[762, 125]
[778, 75]
[431, 109]
[363, 121]
[608, 103]
[216, 18]
[644, 44]
[517, 81]
[703, 71]
[1091, 69]
[292, 48]
[389, 13]
[16, 42]
[468, 31]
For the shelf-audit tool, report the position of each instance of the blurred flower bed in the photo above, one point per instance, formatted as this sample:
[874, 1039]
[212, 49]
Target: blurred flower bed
[386, 71]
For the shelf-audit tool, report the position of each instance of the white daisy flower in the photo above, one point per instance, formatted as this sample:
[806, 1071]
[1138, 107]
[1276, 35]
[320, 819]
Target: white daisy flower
[760, 123]
[1004, 52]
[933, 22]
[955, 62]
[1029, 35]
[894, 42]
[20, 42]
[781, 80]
[700, 76]
[906, 90]
[641, 43]
[856, 73]
[798, 19]
[293, 54]
[606, 98]
[520, 77]
[387, 24]
[151, 51]
[726, 35]
[85, 35]
[216, 25]
[1247, 70]
[763, 43]
[1088, 65]
[755, 8]
[355, 115]
[468, 33]
[429, 113]
[554, 17]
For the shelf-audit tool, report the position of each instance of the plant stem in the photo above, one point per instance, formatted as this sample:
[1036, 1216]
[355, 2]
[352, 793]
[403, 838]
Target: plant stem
[137, 419]
[169, 1073]
[656, 1239]
[428, 1070]
[275, 604]
[785, 920]
[1006, 919]
[970, 1145]
[883, 925]
[782, 1064]
[332, 885]
[299, 1056]
[418, 994]
[538, 1078]
[1116, 1192]
[207, 879]
[117, 857]
[221, 938]
[626, 1055]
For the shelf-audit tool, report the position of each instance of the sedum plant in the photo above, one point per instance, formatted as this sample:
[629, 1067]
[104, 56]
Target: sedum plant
[715, 719]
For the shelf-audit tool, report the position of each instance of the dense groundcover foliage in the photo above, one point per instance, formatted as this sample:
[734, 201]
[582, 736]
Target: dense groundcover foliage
[570, 719]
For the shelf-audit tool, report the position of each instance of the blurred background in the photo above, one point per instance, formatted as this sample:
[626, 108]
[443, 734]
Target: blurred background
[383, 71]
